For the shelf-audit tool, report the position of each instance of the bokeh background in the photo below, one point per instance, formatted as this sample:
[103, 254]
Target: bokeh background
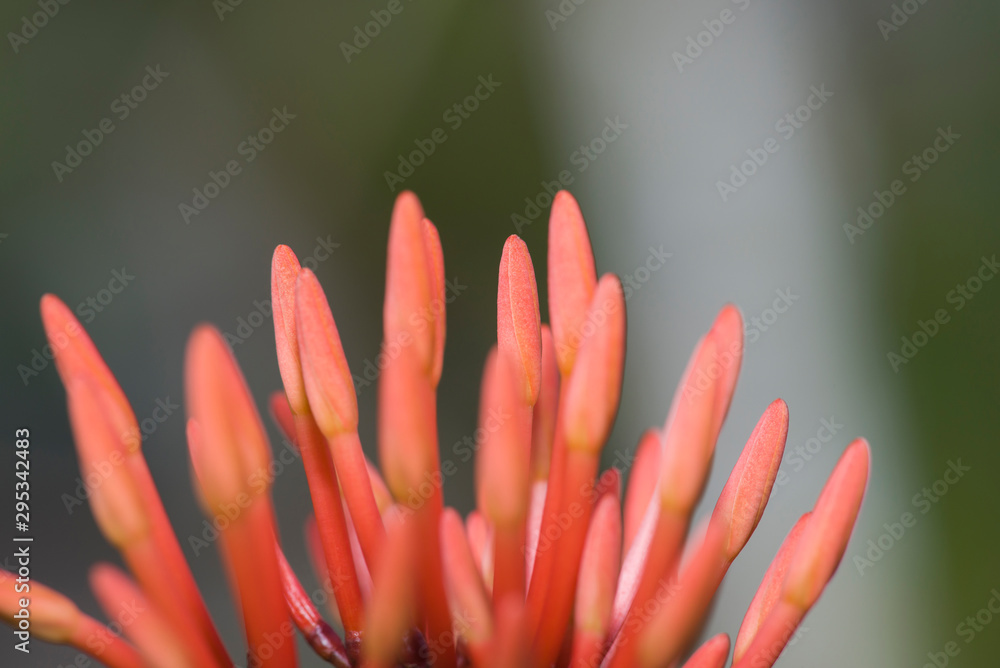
[892, 75]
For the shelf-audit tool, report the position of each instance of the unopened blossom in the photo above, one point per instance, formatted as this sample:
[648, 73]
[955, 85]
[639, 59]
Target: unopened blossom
[559, 564]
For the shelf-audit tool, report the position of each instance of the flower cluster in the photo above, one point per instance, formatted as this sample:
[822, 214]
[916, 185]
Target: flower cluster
[556, 566]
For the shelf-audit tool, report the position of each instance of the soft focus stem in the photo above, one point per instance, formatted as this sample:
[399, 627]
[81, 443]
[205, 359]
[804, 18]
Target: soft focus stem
[331, 523]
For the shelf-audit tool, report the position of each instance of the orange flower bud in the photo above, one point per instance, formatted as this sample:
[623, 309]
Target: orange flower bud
[327, 377]
[116, 500]
[502, 461]
[594, 387]
[572, 277]
[544, 415]
[435, 256]
[599, 568]
[285, 270]
[410, 284]
[825, 537]
[518, 321]
[745, 495]
[234, 451]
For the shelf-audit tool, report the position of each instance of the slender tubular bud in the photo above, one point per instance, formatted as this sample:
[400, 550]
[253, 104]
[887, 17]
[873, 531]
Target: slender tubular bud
[820, 545]
[545, 413]
[117, 501]
[825, 537]
[596, 586]
[235, 443]
[53, 617]
[334, 405]
[727, 330]
[435, 256]
[586, 414]
[406, 427]
[682, 608]
[392, 609]
[688, 444]
[510, 648]
[411, 285]
[712, 654]
[231, 458]
[122, 600]
[472, 615]
[502, 463]
[56, 619]
[643, 477]
[518, 320]
[745, 495]
[76, 356]
[285, 270]
[769, 591]
[572, 277]
[502, 472]
[327, 378]
[594, 388]
[481, 543]
[332, 527]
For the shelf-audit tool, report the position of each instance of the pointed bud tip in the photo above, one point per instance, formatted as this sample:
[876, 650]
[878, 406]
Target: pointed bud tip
[235, 445]
[742, 501]
[572, 277]
[327, 378]
[825, 538]
[594, 387]
[285, 270]
[410, 284]
[518, 316]
[599, 567]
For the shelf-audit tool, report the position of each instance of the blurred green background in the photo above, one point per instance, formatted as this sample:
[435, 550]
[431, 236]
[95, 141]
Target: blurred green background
[561, 72]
